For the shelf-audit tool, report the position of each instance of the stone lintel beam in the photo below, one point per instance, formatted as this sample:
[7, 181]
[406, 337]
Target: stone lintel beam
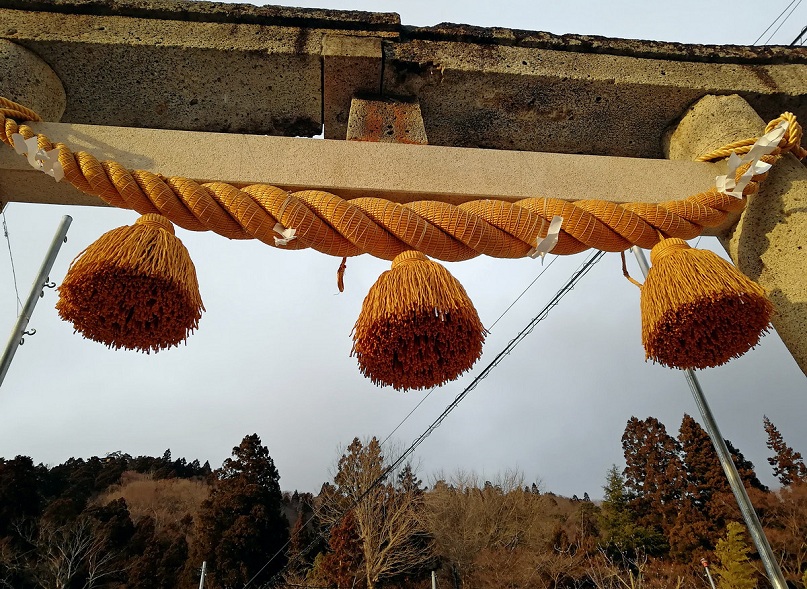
[352, 169]
[769, 243]
[201, 66]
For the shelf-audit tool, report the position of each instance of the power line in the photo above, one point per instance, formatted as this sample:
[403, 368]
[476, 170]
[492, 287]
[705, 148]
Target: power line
[408, 415]
[799, 36]
[523, 292]
[775, 21]
[789, 14]
[563, 291]
[11, 257]
[568, 286]
[426, 396]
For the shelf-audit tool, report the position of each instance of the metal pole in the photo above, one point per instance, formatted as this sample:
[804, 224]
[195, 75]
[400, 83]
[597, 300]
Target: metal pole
[40, 281]
[434, 581]
[705, 564]
[746, 507]
[202, 579]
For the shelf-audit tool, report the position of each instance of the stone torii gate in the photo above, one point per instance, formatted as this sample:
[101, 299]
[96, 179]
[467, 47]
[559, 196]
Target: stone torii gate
[223, 93]
[532, 110]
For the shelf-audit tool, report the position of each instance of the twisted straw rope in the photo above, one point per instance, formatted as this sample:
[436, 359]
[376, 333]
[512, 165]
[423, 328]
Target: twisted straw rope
[342, 228]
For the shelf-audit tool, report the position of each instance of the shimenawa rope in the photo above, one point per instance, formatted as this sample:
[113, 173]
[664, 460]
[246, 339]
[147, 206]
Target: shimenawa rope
[344, 228]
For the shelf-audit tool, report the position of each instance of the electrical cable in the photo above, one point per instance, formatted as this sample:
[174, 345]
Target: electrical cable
[426, 396]
[789, 14]
[11, 257]
[774, 22]
[565, 289]
[568, 286]
[523, 292]
[799, 36]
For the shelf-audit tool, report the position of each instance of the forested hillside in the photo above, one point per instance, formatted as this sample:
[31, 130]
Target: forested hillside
[149, 522]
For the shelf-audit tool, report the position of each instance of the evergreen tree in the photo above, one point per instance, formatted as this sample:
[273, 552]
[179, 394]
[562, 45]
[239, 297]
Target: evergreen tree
[343, 565]
[700, 519]
[408, 481]
[19, 492]
[708, 503]
[704, 473]
[788, 465]
[241, 525]
[735, 570]
[655, 477]
[621, 536]
[745, 468]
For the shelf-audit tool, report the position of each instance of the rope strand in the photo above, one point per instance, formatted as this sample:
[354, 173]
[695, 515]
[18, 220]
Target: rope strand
[384, 229]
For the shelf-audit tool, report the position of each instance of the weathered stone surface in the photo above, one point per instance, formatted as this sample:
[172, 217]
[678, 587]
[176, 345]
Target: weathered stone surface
[515, 97]
[284, 71]
[26, 79]
[386, 121]
[351, 66]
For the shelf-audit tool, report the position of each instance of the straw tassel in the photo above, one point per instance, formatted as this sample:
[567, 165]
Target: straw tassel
[699, 311]
[417, 328]
[134, 288]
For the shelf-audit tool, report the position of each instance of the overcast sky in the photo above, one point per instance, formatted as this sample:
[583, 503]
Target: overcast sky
[272, 352]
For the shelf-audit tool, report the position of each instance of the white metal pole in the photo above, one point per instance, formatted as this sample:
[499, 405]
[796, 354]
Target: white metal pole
[752, 522]
[434, 581]
[202, 579]
[41, 279]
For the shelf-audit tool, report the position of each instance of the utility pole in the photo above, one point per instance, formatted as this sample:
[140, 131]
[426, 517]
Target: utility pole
[202, 579]
[775, 576]
[41, 280]
[434, 581]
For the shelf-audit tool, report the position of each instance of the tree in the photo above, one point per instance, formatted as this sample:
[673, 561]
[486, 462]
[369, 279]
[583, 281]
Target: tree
[654, 473]
[19, 492]
[76, 554]
[484, 532]
[745, 468]
[162, 557]
[242, 526]
[786, 529]
[735, 570]
[343, 565]
[387, 513]
[306, 539]
[620, 535]
[788, 465]
[701, 517]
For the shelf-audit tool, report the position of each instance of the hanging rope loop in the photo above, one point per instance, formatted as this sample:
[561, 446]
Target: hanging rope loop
[791, 142]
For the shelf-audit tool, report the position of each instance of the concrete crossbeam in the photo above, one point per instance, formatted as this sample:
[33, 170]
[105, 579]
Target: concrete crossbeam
[351, 169]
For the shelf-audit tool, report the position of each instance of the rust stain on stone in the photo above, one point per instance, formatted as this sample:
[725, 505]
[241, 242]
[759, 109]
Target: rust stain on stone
[387, 122]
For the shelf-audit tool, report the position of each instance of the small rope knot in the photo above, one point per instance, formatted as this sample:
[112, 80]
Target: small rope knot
[156, 221]
[667, 246]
